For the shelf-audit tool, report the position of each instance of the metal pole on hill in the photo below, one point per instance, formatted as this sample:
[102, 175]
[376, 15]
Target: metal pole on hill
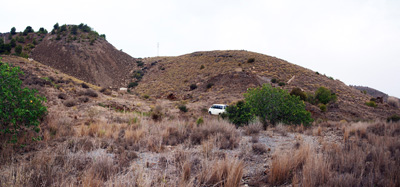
[158, 48]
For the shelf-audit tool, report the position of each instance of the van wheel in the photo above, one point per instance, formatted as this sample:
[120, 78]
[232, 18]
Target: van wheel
[209, 112]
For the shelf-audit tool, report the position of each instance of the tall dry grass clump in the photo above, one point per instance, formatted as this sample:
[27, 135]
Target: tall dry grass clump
[368, 156]
[392, 101]
[226, 172]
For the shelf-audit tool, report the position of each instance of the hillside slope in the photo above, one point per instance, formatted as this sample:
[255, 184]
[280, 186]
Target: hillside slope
[223, 77]
[86, 56]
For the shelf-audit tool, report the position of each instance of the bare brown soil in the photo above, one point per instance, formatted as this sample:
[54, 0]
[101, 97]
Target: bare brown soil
[99, 63]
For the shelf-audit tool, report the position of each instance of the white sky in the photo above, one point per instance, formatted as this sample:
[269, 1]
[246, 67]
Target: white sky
[355, 41]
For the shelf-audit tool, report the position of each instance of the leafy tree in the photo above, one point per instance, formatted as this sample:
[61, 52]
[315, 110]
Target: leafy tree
[27, 30]
[275, 105]
[103, 36]
[42, 30]
[63, 28]
[324, 95]
[74, 30]
[20, 39]
[20, 108]
[239, 113]
[18, 49]
[12, 32]
[56, 26]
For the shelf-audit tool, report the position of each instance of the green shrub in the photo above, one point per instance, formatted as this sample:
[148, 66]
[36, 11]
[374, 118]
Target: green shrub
[202, 67]
[103, 36]
[138, 75]
[317, 73]
[210, 85]
[56, 26]
[18, 49]
[145, 96]
[371, 104]
[12, 32]
[132, 85]
[273, 105]
[274, 80]
[20, 39]
[298, 92]
[393, 118]
[74, 30]
[239, 113]
[193, 86]
[27, 30]
[281, 84]
[324, 95]
[251, 60]
[139, 63]
[322, 107]
[199, 121]
[63, 28]
[183, 108]
[20, 108]
[42, 31]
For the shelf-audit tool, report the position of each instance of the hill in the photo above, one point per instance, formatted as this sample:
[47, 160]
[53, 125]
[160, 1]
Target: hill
[76, 50]
[223, 77]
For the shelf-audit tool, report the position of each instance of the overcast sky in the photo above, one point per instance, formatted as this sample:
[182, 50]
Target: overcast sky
[355, 41]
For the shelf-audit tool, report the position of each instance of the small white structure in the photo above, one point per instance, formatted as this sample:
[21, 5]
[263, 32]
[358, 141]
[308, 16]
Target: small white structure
[123, 89]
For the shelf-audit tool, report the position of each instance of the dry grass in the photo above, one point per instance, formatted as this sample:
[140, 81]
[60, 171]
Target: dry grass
[369, 156]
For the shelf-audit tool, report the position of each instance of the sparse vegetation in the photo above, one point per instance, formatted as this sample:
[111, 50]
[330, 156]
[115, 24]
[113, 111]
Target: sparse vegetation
[371, 104]
[251, 60]
[210, 85]
[393, 118]
[183, 108]
[193, 86]
[322, 107]
[274, 80]
[281, 84]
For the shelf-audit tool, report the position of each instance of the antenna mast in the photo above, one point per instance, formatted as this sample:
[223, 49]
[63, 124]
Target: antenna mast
[158, 48]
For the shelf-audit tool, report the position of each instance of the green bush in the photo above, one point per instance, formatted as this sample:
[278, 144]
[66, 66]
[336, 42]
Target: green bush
[20, 39]
[274, 105]
[324, 95]
[63, 28]
[251, 60]
[74, 30]
[56, 26]
[274, 80]
[193, 86]
[298, 92]
[393, 118]
[202, 67]
[371, 104]
[27, 30]
[239, 113]
[183, 108]
[12, 32]
[199, 121]
[322, 107]
[132, 85]
[281, 84]
[210, 85]
[103, 36]
[18, 49]
[42, 31]
[20, 108]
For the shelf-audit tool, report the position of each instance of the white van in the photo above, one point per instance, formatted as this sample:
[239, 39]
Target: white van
[217, 109]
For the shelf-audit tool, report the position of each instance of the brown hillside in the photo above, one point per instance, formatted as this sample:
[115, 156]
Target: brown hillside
[85, 55]
[230, 73]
